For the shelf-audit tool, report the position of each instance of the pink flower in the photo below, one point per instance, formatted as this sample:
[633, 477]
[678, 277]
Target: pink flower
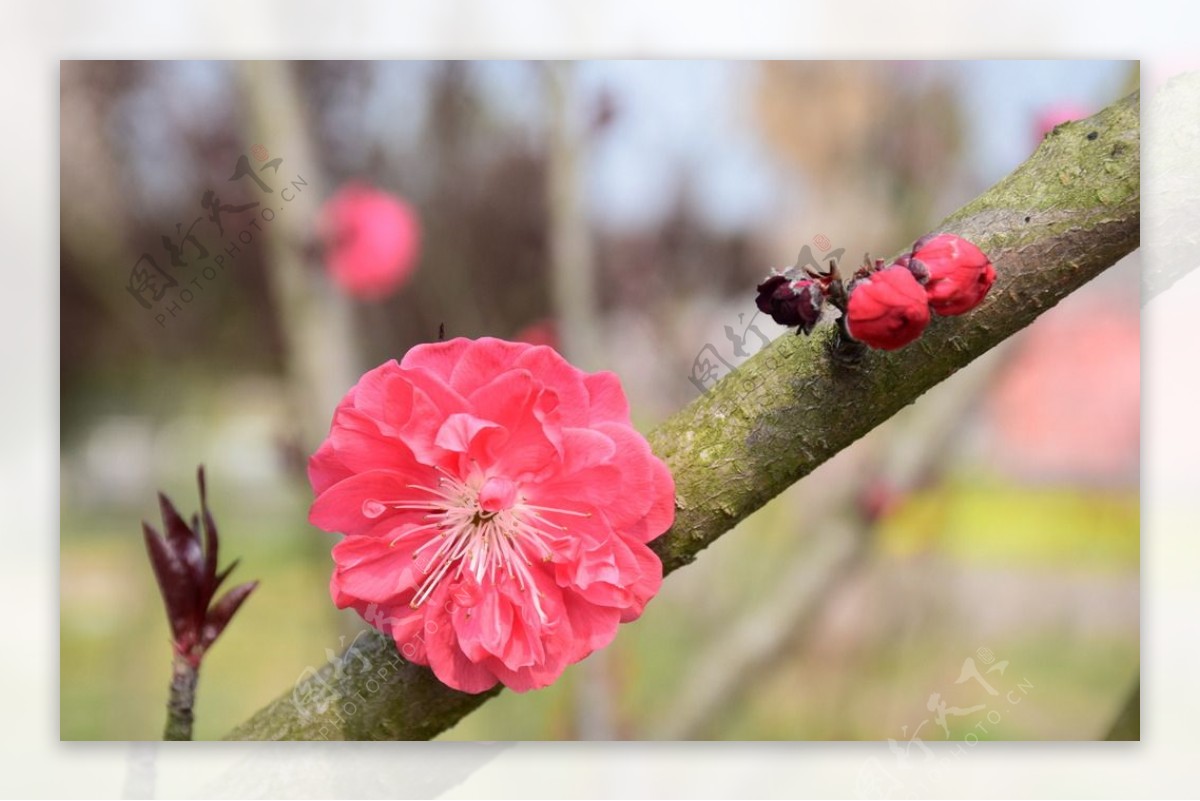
[887, 309]
[371, 240]
[957, 275]
[496, 503]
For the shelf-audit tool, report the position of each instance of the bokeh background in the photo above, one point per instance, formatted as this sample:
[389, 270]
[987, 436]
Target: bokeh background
[984, 541]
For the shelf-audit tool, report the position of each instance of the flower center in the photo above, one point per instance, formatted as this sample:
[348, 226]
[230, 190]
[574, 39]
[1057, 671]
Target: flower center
[483, 526]
[497, 494]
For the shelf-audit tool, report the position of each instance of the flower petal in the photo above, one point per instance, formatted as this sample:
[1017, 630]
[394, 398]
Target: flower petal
[370, 569]
[449, 663]
[483, 360]
[606, 399]
[341, 508]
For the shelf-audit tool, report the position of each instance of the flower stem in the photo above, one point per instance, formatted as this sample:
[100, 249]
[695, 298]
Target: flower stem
[181, 700]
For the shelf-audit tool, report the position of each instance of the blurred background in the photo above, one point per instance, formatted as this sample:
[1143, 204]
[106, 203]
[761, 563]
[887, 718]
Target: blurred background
[231, 265]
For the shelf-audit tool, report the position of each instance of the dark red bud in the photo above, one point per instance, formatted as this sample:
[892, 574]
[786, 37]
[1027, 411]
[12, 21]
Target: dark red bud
[791, 302]
[184, 560]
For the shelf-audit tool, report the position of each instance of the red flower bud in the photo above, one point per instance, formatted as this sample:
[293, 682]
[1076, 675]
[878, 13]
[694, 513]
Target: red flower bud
[887, 309]
[791, 302]
[957, 275]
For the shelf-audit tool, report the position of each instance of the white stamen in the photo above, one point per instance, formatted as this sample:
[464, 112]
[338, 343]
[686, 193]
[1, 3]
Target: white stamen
[552, 509]
[488, 545]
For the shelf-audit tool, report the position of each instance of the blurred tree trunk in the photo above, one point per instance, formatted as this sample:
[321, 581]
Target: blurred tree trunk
[316, 322]
[573, 285]
[572, 262]
[1060, 219]
[1128, 725]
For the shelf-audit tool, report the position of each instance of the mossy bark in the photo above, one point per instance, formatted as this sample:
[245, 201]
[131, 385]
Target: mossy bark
[1065, 215]
[1060, 219]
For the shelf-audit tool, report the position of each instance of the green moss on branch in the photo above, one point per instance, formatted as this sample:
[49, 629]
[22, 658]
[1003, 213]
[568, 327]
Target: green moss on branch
[1065, 215]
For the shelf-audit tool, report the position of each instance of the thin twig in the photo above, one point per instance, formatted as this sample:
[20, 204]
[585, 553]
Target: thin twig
[181, 700]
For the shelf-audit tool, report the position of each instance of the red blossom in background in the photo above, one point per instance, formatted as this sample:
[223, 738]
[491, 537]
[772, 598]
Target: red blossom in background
[878, 499]
[185, 565]
[496, 503]
[887, 309]
[371, 239]
[957, 275]
[543, 332]
[1052, 116]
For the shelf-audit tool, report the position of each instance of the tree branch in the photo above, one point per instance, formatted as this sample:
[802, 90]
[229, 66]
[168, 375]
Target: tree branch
[1060, 219]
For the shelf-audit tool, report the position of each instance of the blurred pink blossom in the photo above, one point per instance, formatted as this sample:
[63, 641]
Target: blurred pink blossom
[1068, 406]
[542, 332]
[1056, 114]
[371, 240]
